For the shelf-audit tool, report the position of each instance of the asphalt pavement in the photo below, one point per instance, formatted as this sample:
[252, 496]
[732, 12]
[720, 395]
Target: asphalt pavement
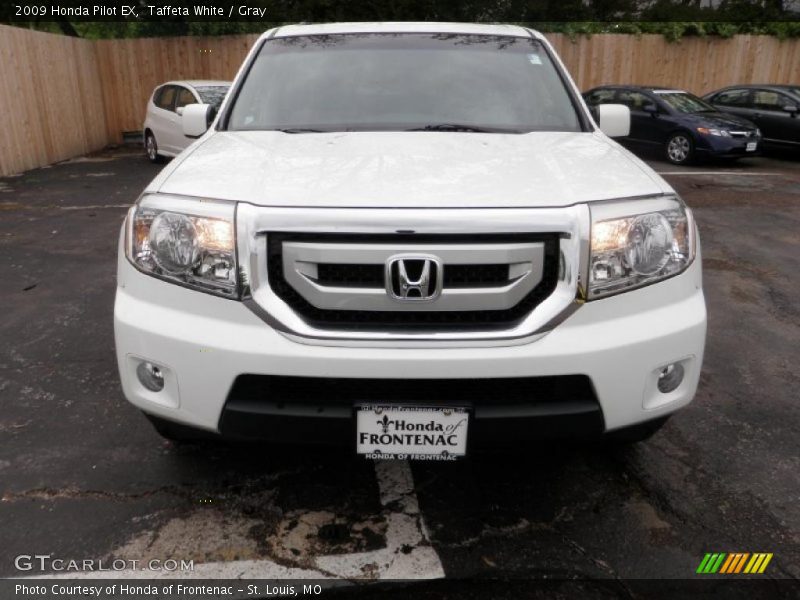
[84, 476]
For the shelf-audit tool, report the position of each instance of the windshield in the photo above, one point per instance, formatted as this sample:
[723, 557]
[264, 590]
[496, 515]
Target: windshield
[213, 95]
[396, 82]
[684, 102]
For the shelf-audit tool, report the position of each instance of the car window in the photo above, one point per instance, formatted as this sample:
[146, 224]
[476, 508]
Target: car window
[397, 82]
[165, 97]
[770, 100]
[185, 97]
[212, 94]
[633, 100]
[683, 102]
[732, 98]
[600, 97]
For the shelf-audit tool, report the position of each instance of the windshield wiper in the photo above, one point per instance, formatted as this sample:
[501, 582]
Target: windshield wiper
[299, 130]
[456, 127]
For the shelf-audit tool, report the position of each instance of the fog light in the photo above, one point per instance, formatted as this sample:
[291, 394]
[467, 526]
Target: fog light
[150, 376]
[670, 378]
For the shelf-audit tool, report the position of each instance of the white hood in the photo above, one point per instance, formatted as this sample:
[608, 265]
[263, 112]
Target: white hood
[408, 169]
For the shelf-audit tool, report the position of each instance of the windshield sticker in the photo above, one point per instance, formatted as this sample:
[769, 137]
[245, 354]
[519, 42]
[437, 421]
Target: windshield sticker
[534, 59]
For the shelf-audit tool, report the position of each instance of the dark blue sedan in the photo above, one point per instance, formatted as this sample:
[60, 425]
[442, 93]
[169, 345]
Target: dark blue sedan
[681, 124]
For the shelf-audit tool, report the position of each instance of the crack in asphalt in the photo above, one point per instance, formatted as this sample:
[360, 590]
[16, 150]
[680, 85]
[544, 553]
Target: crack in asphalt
[184, 491]
[491, 531]
[70, 493]
[601, 564]
[16, 206]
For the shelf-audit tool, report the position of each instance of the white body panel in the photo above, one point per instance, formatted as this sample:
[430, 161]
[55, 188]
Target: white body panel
[410, 170]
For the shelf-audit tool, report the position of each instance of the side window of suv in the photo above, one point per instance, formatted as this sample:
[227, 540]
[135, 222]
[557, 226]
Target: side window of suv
[165, 97]
[600, 97]
[185, 97]
[732, 98]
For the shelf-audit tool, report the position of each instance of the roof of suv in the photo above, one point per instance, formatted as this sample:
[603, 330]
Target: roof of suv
[401, 27]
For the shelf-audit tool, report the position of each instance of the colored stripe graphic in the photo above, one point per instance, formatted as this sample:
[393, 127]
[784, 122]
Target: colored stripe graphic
[703, 563]
[740, 564]
[727, 564]
[754, 563]
[765, 563]
[711, 563]
[758, 563]
[717, 563]
[731, 563]
[734, 562]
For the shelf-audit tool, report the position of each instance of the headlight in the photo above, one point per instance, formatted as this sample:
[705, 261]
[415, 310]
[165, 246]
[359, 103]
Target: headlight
[652, 241]
[711, 131]
[191, 242]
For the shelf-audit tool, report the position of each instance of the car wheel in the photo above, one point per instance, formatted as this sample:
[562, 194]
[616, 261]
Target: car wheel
[680, 148]
[636, 433]
[151, 148]
[175, 432]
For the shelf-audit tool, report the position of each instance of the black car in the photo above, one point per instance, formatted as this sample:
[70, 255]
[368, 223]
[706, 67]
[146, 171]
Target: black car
[774, 108]
[685, 126]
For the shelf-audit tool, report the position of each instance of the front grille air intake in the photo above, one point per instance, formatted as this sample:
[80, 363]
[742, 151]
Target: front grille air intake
[465, 274]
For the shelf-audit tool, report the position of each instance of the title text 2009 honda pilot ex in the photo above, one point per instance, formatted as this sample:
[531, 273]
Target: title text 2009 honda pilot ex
[414, 239]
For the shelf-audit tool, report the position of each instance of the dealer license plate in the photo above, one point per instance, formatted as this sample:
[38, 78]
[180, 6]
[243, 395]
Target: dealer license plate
[751, 146]
[411, 432]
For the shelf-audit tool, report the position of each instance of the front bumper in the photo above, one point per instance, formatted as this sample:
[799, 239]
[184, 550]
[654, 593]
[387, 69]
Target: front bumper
[203, 343]
[723, 147]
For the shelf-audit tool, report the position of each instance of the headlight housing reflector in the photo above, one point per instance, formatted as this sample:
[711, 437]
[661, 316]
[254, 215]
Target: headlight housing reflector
[646, 245]
[190, 242]
[714, 132]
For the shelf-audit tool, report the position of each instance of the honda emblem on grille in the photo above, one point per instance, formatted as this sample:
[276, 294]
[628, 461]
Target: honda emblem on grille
[414, 277]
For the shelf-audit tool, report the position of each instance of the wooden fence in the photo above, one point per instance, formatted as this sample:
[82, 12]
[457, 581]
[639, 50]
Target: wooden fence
[61, 97]
[51, 103]
[699, 65]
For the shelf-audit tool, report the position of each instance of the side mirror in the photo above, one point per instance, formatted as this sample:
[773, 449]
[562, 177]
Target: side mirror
[650, 108]
[614, 119]
[791, 109]
[179, 110]
[194, 119]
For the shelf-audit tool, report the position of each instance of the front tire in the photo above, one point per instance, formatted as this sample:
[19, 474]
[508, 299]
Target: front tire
[680, 148]
[151, 148]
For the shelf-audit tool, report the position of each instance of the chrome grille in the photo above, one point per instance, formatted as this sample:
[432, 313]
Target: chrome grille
[489, 282]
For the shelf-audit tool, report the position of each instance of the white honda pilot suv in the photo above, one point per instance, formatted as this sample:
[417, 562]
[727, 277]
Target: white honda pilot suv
[412, 238]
